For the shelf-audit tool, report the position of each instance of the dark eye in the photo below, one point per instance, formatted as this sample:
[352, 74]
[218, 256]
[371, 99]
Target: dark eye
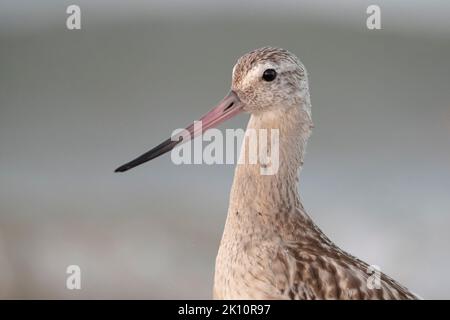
[269, 75]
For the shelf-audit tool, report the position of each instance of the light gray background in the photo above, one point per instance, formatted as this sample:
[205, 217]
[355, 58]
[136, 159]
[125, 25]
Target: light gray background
[76, 104]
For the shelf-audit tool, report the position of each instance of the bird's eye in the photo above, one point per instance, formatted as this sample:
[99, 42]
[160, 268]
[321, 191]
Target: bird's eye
[269, 75]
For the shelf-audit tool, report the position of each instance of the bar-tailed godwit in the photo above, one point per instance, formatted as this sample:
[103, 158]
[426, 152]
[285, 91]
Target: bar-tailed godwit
[270, 248]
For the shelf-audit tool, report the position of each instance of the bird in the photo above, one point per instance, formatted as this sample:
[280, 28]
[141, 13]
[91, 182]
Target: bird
[270, 247]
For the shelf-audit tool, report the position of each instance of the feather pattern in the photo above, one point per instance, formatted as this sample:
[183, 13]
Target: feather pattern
[270, 248]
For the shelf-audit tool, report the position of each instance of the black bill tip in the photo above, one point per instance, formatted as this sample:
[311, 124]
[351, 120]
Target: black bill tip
[123, 168]
[157, 151]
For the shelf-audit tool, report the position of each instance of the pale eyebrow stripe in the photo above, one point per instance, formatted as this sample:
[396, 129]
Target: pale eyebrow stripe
[288, 66]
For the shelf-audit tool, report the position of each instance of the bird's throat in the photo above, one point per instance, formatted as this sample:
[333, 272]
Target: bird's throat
[256, 189]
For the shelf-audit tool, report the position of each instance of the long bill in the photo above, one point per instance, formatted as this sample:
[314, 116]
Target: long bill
[226, 109]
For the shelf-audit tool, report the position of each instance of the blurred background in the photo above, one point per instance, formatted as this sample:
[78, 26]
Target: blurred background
[75, 104]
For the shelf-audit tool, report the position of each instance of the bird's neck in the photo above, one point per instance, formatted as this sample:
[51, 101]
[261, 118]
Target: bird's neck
[271, 187]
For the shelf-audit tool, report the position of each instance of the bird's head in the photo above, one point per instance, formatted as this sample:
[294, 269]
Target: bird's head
[264, 80]
[270, 78]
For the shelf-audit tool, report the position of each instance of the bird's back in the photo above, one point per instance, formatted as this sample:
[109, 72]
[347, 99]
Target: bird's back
[296, 262]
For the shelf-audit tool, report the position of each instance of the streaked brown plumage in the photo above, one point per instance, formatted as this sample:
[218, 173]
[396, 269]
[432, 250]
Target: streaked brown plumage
[271, 249]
